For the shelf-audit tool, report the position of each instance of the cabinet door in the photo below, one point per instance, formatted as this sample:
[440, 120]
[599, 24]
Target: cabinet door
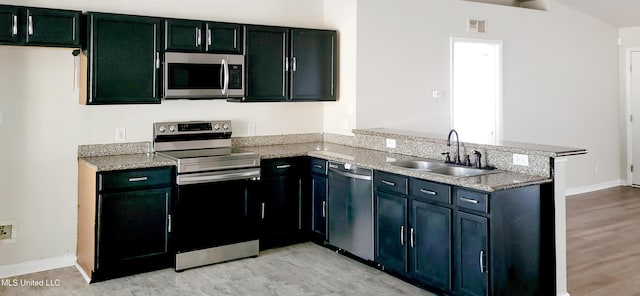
[223, 38]
[280, 210]
[430, 242]
[391, 231]
[124, 59]
[313, 65]
[183, 35]
[319, 204]
[267, 63]
[10, 27]
[52, 27]
[132, 225]
[472, 255]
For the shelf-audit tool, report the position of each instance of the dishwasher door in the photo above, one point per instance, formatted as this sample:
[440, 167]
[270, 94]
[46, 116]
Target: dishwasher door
[350, 214]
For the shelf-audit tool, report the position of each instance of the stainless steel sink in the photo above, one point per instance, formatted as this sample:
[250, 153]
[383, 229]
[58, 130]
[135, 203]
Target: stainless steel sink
[423, 165]
[441, 168]
[456, 171]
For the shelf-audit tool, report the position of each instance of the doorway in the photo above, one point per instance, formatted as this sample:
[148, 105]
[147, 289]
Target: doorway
[476, 89]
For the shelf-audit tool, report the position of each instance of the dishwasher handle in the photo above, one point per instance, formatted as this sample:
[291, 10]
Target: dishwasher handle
[351, 175]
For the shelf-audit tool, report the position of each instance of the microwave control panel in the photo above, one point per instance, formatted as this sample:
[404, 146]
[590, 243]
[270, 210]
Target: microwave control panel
[235, 76]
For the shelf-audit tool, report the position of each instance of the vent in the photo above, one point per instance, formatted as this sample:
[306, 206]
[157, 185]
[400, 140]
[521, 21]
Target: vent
[476, 26]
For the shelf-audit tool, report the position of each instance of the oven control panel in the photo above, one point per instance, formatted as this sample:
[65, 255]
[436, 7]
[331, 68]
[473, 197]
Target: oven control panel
[192, 127]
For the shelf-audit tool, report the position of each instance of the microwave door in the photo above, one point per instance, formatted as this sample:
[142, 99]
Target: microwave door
[194, 76]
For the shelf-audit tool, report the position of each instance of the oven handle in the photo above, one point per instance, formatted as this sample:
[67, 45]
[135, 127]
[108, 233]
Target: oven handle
[187, 180]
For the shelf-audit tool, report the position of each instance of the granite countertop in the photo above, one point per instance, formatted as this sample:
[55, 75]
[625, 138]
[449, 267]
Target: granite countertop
[126, 161]
[379, 160]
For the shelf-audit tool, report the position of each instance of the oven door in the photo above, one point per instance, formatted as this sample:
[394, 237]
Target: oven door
[202, 76]
[214, 213]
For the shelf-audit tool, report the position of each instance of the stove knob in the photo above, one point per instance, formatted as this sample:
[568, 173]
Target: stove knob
[216, 126]
[162, 129]
[172, 128]
[225, 126]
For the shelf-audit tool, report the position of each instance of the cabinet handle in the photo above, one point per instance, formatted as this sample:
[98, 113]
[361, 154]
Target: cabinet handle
[169, 222]
[30, 25]
[473, 201]
[235, 38]
[74, 29]
[402, 235]
[286, 64]
[138, 179]
[284, 166]
[15, 25]
[209, 37]
[294, 66]
[425, 191]
[388, 183]
[262, 206]
[411, 238]
[197, 32]
[317, 166]
[324, 209]
[482, 266]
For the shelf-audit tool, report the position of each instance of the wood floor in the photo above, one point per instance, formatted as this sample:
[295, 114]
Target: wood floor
[603, 242]
[300, 270]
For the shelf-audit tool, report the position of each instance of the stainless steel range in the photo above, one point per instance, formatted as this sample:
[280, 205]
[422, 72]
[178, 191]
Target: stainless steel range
[212, 221]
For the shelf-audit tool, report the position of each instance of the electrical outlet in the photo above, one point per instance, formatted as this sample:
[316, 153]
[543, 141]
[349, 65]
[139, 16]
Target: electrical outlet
[8, 230]
[121, 134]
[251, 128]
[391, 143]
[521, 159]
[5, 231]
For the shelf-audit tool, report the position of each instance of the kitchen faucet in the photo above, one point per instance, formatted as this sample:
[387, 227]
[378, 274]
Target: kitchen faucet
[456, 158]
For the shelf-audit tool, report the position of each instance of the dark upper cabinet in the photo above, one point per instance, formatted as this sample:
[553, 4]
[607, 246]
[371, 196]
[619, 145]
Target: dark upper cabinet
[266, 60]
[472, 254]
[122, 59]
[198, 36]
[286, 64]
[39, 26]
[313, 65]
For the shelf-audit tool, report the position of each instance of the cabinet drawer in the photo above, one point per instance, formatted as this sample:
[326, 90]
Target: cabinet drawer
[472, 200]
[391, 183]
[429, 191]
[142, 178]
[319, 166]
[279, 166]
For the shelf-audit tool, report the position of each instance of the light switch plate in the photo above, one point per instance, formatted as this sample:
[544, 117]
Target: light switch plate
[521, 159]
[121, 134]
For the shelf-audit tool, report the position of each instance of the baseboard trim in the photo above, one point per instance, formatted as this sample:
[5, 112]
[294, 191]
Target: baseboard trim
[563, 294]
[84, 274]
[594, 187]
[36, 266]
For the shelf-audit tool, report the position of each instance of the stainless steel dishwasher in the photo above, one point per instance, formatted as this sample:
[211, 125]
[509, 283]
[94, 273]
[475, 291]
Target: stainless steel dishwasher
[350, 203]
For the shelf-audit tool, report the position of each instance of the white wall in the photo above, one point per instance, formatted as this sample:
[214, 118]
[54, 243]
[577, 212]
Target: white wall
[560, 75]
[42, 122]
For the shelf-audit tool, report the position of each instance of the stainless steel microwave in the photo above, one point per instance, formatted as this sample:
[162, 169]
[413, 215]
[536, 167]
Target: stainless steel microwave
[203, 76]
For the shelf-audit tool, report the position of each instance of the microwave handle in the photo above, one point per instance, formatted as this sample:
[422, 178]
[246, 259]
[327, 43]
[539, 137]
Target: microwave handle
[225, 86]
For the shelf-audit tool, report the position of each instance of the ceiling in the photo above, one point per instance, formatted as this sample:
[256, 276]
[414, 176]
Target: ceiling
[620, 13]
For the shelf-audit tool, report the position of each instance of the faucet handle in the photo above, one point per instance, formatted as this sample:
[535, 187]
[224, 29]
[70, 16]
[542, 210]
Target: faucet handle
[478, 157]
[448, 158]
[467, 160]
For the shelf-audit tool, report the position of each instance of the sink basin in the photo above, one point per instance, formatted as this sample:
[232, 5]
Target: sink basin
[441, 168]
[422, 165]
[456, 171]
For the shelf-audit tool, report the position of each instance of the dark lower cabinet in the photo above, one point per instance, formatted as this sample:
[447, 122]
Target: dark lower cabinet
[391, 231]
[39, 26]
[122, 59]
[430, 242]
[124, 221]
[319, 191]
[132, 226]
[472, 256]
[280, 201]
